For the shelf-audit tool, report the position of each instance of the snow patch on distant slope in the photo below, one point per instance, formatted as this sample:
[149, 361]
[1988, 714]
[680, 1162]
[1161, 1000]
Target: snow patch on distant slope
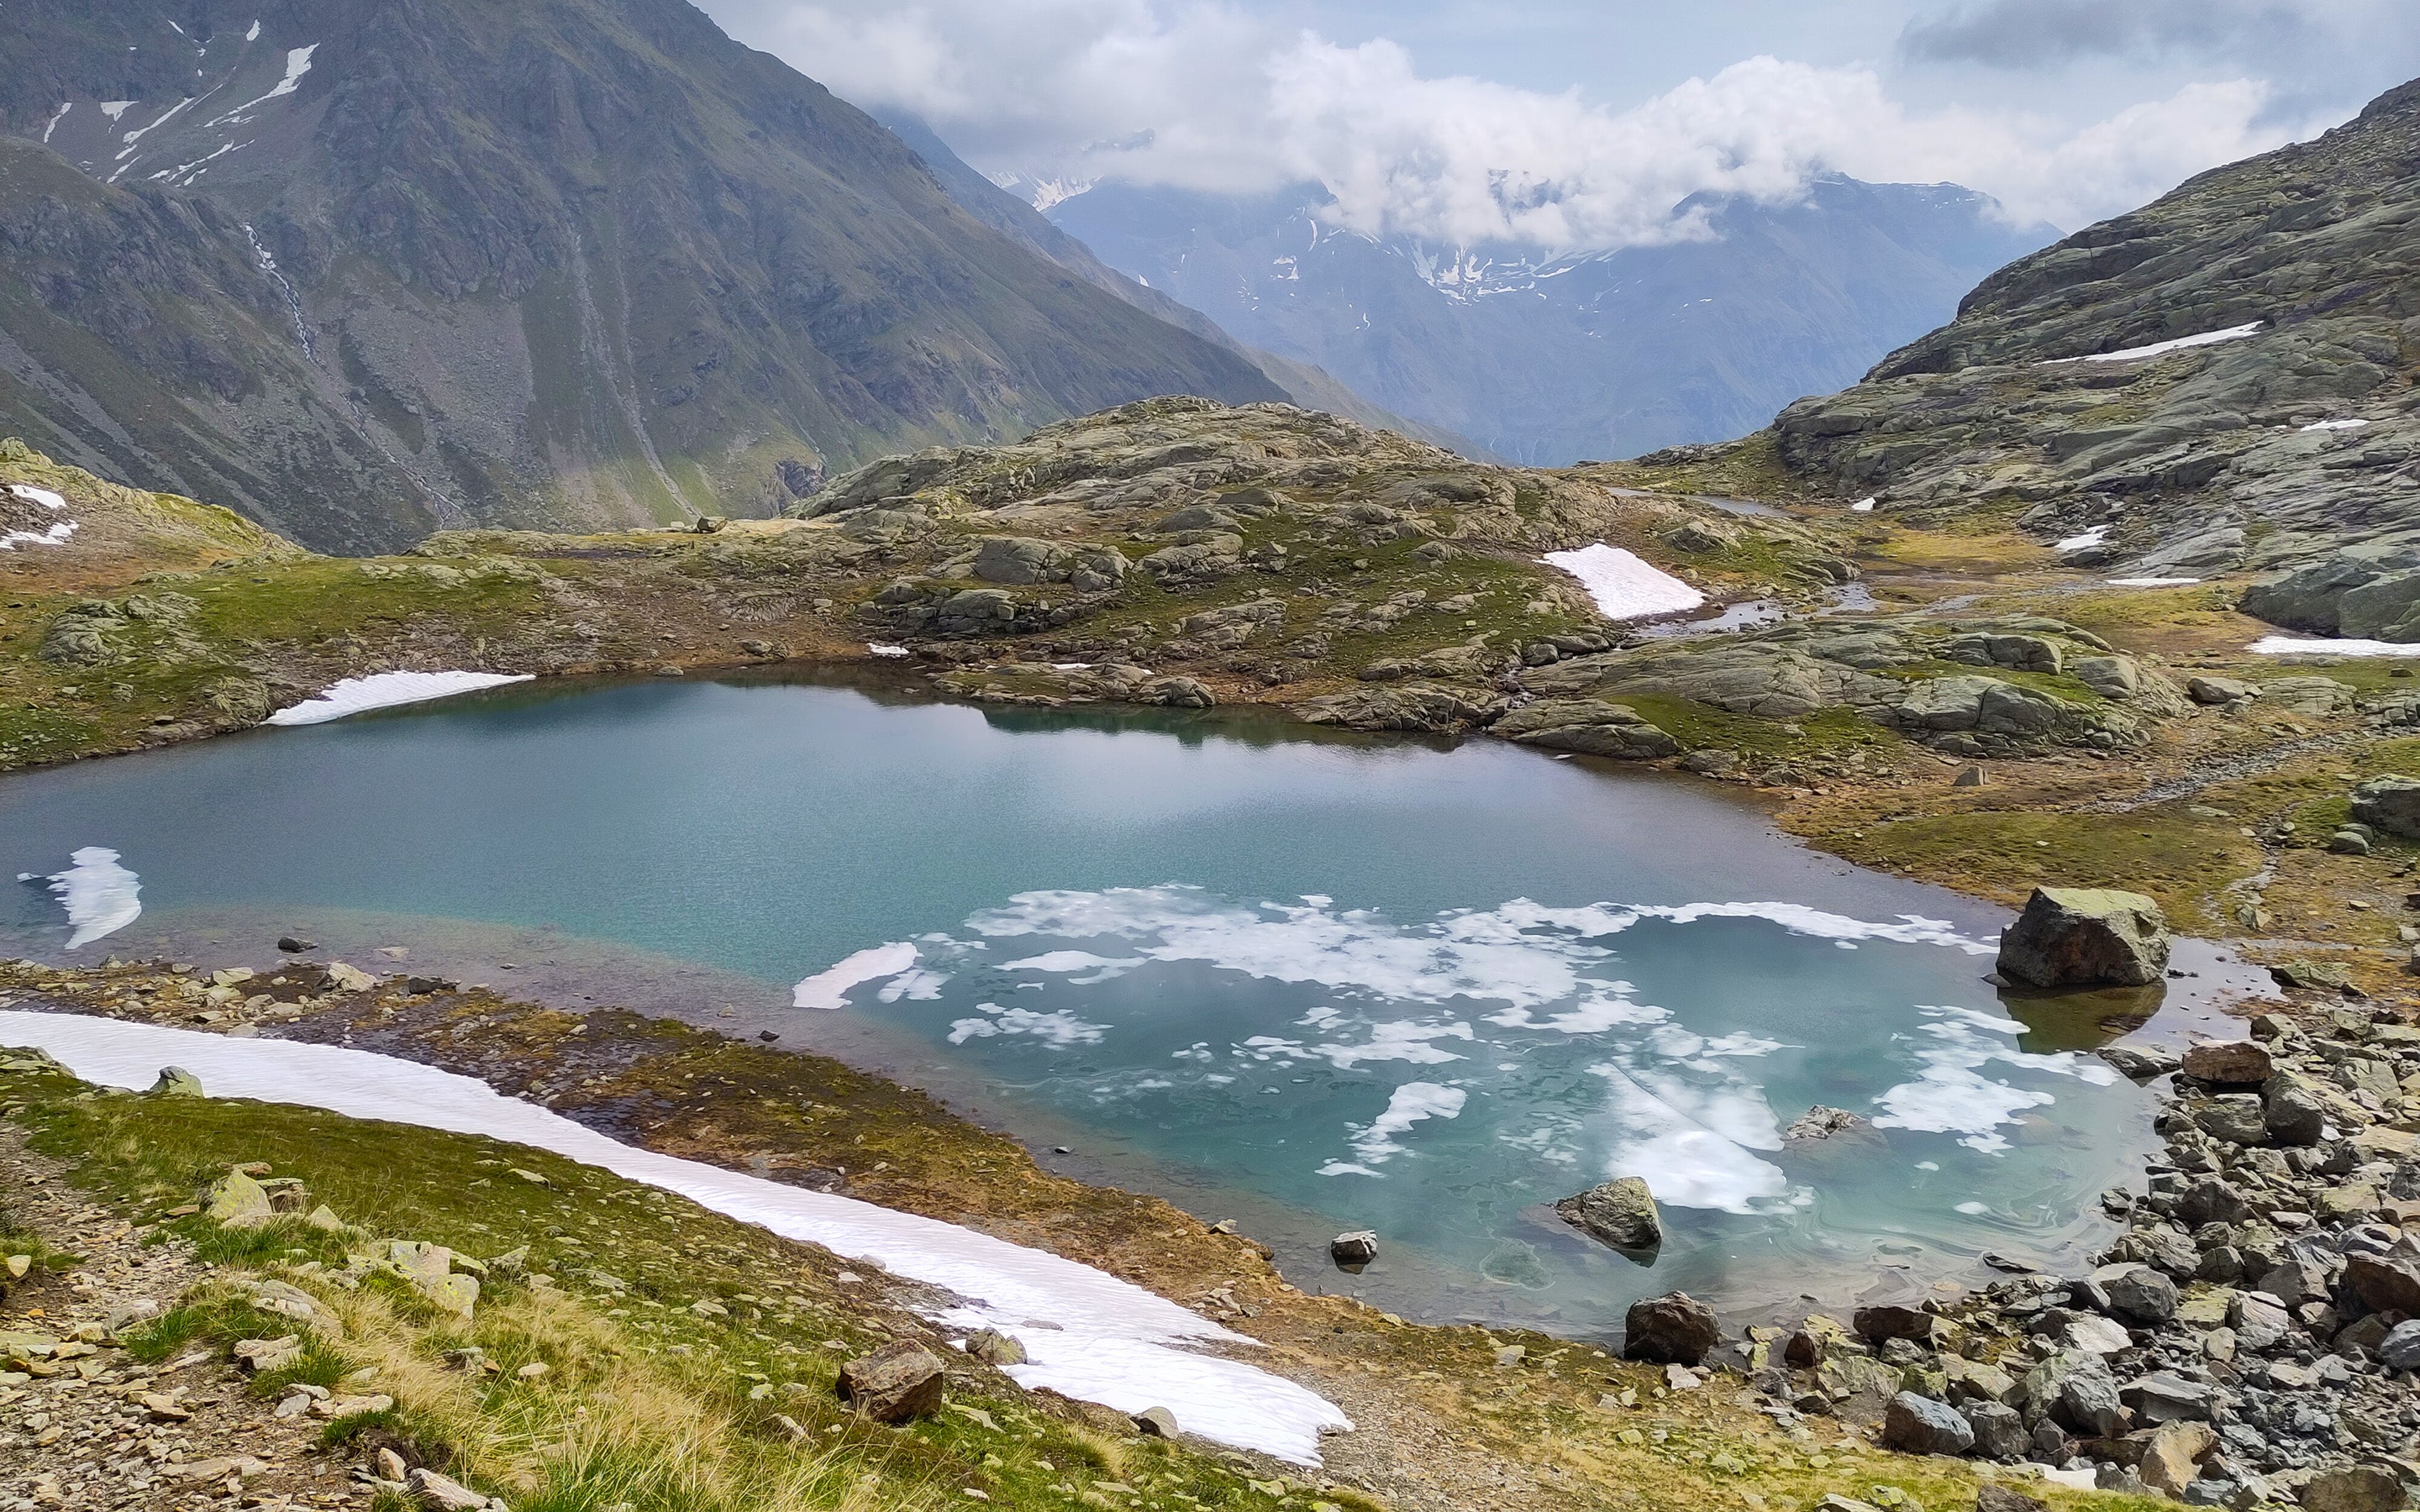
[1622, 584]
[2161, 348]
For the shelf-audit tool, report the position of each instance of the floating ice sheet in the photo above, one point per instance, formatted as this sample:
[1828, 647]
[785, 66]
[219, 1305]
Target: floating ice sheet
[100, 895]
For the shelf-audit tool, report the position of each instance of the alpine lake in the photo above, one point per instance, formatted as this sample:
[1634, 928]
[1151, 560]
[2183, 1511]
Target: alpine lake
[1313, 982]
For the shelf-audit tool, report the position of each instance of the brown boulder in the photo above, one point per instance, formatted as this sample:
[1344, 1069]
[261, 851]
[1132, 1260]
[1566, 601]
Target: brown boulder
[897, 1381]
[1673, 1329]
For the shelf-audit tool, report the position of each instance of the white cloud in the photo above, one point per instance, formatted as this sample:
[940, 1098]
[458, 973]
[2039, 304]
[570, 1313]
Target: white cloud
[1203, 96]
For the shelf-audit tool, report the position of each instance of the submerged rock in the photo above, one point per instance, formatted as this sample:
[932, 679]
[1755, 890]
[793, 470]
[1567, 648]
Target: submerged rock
[1621, 1212]
[2080, 936]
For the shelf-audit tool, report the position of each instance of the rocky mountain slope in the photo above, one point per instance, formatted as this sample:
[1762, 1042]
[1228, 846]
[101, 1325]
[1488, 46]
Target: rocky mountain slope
[1547, 359]
[361, 270]
[2221, 381]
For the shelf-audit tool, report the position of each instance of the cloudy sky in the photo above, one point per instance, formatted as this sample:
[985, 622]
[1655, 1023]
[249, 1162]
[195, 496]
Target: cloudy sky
[1571, 124]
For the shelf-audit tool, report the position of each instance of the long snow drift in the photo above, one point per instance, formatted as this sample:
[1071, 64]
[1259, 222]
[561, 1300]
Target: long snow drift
[1625, 585]
[2161, 348]
[1086, 1334]
[2290, 646]
[385, 691]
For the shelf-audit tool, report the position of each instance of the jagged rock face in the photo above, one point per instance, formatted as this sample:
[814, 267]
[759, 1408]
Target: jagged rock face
[404, 265]
[2243, 453]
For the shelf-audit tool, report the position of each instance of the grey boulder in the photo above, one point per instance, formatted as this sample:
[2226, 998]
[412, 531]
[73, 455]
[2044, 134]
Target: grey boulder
[1621, 1212]
[1919, 1425]
[2083, 936]
[2389, 803]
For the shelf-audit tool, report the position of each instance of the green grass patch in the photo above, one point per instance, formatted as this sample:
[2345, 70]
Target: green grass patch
[2177, 857]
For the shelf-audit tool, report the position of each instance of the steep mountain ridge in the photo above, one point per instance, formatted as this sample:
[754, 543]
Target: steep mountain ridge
[1548, 359]
[2223, 380]
[362, 269]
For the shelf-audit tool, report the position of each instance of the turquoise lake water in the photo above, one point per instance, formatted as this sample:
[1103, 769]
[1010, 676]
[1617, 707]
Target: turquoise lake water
[1330, 983]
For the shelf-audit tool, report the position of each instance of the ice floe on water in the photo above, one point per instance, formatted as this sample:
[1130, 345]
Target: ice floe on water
[1087, 1334]
[1625, 585]
[1529, 1006]
[100, 895]
[876, 962]
[1374, 1143]
[1953, 1096]
[2161, 348]
[1060, 1028]
[387, 690]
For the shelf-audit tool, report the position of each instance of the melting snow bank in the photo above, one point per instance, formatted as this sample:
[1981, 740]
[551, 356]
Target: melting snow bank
[385, 691]
[1623, 585]
[2078, 543]
[2334, 425]
[2287, 645]
[57, 536]
[2161, 348]
[1086, 1334]
[876, 648]
[100, 895]
[2153, 583]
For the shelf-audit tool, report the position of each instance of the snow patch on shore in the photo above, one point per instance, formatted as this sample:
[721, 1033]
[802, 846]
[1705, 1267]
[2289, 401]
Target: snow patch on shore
[1622, 584]
[1086, 1334]
[387, 690]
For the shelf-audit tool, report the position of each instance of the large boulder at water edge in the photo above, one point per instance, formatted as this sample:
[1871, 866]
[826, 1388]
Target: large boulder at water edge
[2085, 937]
[1673, 1329]
[1621, 1214]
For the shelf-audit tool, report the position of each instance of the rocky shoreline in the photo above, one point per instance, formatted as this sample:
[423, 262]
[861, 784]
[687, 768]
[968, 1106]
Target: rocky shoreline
[2248, 1340]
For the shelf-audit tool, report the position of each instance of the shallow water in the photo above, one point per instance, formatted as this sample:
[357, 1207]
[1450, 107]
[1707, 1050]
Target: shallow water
[1331, 983]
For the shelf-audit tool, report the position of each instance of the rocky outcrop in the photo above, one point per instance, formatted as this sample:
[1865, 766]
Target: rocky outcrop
[2080, 936]
[1590, 726]
[1620, 1214]
[1888, 673]
[2052, 387]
